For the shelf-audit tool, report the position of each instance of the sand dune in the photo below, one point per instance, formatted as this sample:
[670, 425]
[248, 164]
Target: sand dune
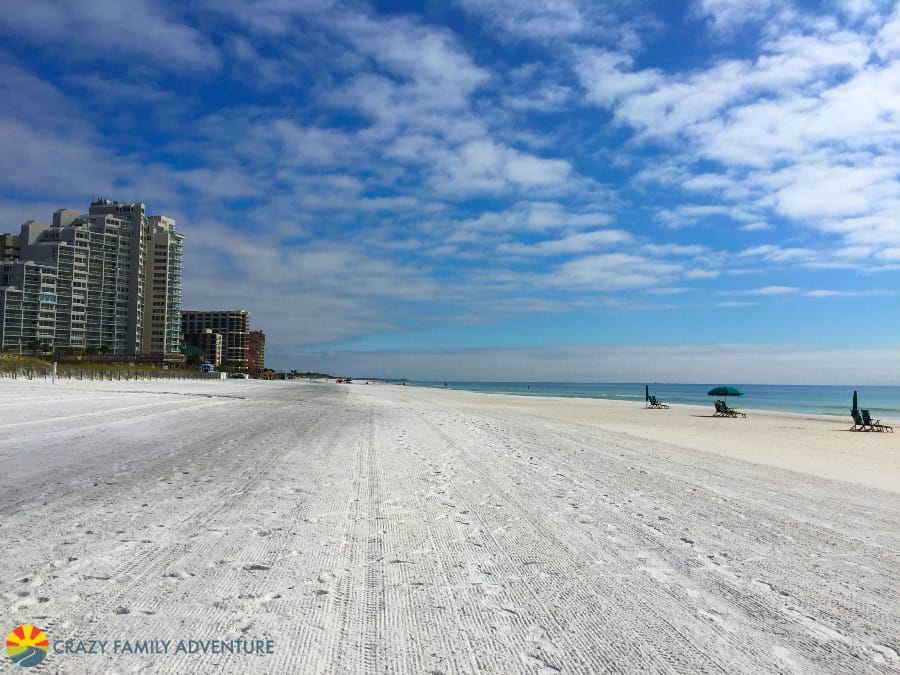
[368, 529]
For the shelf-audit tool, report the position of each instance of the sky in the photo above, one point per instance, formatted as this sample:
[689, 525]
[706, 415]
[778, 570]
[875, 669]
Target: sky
[696, 191]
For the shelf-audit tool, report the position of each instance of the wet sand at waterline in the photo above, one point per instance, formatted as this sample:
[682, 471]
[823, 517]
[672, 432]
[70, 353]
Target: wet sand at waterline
[377, 528]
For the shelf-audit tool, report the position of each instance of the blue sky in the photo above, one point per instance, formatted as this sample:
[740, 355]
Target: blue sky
[506, 189]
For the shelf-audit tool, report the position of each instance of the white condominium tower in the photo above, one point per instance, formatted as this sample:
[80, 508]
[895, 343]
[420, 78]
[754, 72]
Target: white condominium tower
[162, 293]
[118, 282]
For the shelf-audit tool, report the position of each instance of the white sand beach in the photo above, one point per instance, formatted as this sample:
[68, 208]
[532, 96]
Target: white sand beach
[386, 529]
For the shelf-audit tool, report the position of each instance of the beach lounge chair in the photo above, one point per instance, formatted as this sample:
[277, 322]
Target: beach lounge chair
[858, 423]
[723, 409]
[731, 412]
[875, 425]
[656, 404]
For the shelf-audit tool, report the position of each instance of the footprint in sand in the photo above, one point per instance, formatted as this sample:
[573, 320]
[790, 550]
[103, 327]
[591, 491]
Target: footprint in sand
[884, 654]
[328, 577]
[533, 660]
[56, 564]
[717, 619]
[658, 574]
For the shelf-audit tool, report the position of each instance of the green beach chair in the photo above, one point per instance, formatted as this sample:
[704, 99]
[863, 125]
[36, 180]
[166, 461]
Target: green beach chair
[731, 412]
[656, 404]
[858, 424]
[875, 425]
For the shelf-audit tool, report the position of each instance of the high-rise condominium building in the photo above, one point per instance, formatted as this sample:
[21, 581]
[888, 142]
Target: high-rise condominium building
[232, 325]
[207, 342]
[9, 246]
[118, 280]
[256, 351]
[162, 297]
[28, 292]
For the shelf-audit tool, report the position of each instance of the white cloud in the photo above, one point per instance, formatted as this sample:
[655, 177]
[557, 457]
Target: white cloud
[764, 133]
[758, 226]
[317, 147]
[669, 290]
[531, 18]
[607, 76]
[836, 191]
[674, 249]
[788, 128]
[727, 16]
[529, 171]
[309, 293]
[856, 9]
[611, 272]
[428, 56]
[887, 43]
[108, 28]
[889, 253]
[527, 216]
[690, 214]
[708, 182]
[541, 96]
[622, 23]
[486, 166]
[572, 244]
[769, 290]
[72, 165]
[772, 253]
[660, 106]
[273, 18]
[822, 293]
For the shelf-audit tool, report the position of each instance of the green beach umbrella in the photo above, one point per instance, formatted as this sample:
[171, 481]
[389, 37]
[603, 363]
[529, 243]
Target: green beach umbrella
[646, 393]
[854, 409]
[725, 391]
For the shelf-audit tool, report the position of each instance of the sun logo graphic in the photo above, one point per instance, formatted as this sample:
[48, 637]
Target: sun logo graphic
[26, 645]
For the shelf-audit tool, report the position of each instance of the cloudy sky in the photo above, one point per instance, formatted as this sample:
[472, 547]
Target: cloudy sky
[491, 189]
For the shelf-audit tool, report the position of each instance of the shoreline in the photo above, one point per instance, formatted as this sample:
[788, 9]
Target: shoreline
[818, 445]
[892, 418]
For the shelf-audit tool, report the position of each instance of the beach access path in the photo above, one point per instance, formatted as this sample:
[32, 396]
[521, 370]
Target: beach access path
[387, 529]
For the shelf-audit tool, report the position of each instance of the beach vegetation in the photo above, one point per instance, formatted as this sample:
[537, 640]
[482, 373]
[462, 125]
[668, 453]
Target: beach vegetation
[31, 366]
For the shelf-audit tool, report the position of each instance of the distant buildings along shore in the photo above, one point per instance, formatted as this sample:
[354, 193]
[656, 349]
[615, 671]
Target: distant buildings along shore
[225, 338]
[109, 283]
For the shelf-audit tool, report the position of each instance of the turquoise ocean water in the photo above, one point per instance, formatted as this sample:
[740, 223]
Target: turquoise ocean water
[882, 401]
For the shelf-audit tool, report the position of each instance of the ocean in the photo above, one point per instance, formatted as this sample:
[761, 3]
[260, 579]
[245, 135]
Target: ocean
[882, 401]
